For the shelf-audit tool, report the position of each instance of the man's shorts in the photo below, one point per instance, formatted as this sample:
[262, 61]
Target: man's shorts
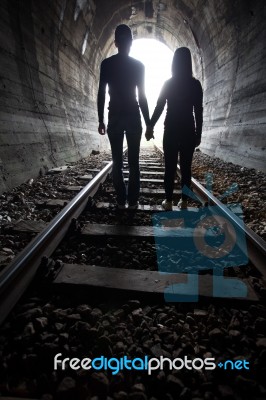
[130, 123]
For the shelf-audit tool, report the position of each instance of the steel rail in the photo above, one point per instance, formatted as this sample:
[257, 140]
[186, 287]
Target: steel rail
[256, 245]
[16, 277]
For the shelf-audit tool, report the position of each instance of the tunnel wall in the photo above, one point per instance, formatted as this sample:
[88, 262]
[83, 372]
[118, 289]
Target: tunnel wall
[232, 40]
[50, 53]
[48, 89]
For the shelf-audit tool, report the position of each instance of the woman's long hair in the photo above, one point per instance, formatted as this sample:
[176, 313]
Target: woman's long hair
[182, 63]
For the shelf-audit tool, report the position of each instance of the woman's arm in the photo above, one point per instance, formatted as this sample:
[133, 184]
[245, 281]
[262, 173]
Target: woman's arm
[160, 106]
[156, 113]
[198, 111]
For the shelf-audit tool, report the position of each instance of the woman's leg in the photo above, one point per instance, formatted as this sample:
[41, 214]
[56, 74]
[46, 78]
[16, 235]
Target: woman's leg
[186, 156]
[170, 148]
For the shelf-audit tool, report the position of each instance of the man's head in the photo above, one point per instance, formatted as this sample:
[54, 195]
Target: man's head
[123, 38]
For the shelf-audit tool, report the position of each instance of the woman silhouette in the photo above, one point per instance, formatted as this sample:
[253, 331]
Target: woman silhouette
[182, 129]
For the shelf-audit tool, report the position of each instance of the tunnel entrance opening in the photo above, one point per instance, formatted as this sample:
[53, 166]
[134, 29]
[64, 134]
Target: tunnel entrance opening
[157, 58]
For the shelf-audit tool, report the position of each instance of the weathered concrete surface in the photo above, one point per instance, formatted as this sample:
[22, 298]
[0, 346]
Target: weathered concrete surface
[50, 52]
[48, 89]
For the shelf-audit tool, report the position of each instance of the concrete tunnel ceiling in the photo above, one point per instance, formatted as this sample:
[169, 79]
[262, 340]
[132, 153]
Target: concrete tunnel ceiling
[50, 53]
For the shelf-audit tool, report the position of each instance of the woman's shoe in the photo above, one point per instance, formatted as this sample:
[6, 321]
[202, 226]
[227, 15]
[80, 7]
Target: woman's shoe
[167, 205]
[182, 204]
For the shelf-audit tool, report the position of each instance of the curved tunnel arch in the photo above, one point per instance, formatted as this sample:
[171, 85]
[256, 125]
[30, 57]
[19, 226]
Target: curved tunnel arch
[50, 56]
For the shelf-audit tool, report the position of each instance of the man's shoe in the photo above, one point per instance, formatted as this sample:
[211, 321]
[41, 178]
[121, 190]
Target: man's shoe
[167, 205]
[133, 206]
[121, 206]
[182, 204]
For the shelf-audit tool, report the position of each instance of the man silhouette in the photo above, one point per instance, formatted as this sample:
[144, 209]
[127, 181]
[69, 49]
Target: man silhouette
[123, 74]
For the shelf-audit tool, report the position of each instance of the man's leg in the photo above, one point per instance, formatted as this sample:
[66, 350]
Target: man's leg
[170, 148]
[116, 141]
[186, 155]
[133, 142]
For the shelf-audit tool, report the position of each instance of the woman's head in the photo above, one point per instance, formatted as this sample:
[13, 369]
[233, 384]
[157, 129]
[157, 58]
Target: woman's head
[182, 63]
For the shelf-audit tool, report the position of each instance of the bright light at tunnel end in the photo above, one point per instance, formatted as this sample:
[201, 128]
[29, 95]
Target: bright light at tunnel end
[157, 58]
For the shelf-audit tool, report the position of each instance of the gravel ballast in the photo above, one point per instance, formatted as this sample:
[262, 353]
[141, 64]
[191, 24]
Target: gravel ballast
[44, 324]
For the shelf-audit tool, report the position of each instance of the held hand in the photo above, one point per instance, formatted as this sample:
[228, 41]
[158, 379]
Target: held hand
[101, 128]
[149, 133]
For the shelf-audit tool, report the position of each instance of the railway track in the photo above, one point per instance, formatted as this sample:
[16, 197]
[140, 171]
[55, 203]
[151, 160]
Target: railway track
[123, 274]
[113, 260]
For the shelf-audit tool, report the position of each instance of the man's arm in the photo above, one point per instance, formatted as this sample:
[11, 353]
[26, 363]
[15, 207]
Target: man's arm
[101, 99]
[142, 97]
